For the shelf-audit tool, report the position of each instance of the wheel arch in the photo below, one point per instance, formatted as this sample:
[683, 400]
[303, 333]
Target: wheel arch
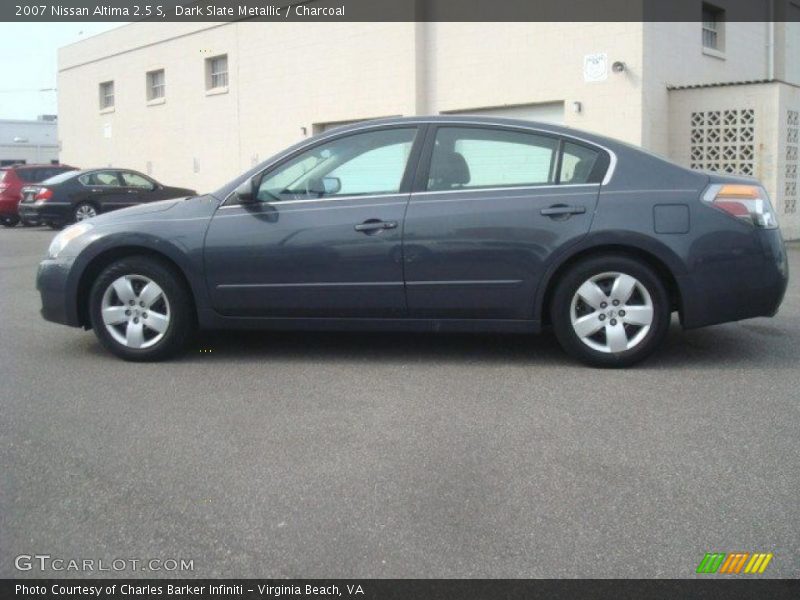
[658, 257]
[107, 256]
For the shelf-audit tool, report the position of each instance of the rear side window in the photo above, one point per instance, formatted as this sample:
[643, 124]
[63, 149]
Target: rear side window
[107, 178]
[474, 158]
[578, 164]
[4, 177]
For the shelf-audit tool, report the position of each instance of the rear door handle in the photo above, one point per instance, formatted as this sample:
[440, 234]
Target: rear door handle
[562, 209]
[375, 225]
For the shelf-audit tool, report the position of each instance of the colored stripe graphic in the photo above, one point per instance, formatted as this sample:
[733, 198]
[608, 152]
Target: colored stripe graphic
[711, 562]
[758, 563]
[734, 563]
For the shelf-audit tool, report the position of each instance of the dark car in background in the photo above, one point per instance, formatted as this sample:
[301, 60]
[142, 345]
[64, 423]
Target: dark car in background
[78, 195]
[438, 224]
[12, 180]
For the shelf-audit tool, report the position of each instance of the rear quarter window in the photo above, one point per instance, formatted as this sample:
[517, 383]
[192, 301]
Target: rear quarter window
[578, 164]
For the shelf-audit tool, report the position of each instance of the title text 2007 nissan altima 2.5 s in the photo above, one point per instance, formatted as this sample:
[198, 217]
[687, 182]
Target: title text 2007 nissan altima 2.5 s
[444, 224]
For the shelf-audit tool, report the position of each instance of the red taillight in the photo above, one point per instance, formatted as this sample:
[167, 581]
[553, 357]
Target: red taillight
[749, 203]
[44, 194]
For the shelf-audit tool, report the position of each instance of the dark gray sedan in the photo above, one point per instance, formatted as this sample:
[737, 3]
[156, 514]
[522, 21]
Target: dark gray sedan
[444, 224]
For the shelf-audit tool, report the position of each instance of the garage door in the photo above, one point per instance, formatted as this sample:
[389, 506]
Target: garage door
[323, 127]
[550, 112]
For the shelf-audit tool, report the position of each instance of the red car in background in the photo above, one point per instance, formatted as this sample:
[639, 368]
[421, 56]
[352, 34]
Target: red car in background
[13, 178]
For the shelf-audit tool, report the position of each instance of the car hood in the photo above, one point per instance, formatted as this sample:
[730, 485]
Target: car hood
[126, 214]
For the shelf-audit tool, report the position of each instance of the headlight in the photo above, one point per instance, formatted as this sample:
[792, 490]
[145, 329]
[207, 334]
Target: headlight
[65, 237]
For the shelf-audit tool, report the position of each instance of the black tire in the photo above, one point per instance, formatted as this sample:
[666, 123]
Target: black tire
[84, 206]
[561, 311]
[9, 220]
[182, 321]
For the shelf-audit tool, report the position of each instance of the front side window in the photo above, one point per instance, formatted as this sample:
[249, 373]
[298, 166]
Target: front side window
[217, 72]
[474, 158]
[156, 84]
[136, 181]
[357, 165]
[106, 95]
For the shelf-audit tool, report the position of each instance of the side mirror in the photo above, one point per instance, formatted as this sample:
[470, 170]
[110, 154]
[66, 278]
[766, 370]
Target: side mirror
[246, 192]
[325, 186]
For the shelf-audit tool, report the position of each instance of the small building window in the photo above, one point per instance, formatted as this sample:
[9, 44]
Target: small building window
[156, 84]
[217, 72]
[713, 22]
[106, 95]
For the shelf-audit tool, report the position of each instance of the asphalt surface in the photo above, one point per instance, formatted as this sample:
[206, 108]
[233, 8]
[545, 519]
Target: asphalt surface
[377, 455]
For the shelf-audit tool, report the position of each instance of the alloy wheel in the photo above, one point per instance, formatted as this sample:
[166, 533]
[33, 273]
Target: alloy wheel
[611, 312]
[135, 311]
[85, 211]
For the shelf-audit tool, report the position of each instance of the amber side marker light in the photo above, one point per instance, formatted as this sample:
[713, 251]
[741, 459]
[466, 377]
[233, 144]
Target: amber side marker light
[746, 202]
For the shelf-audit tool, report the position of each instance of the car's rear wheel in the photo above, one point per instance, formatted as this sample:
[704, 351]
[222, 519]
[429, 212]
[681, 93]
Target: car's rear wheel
[9, 220]
[141, 310]
[610, 311]
[84, 210]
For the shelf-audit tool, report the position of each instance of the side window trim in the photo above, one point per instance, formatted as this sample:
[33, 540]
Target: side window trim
[405, 181]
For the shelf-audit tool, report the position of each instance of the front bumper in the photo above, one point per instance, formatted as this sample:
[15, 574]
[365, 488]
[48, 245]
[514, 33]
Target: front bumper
[59, 301]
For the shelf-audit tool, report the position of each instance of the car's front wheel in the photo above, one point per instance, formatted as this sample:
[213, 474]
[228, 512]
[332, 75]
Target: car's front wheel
[141, 310]
[610, 311]
[9, 220]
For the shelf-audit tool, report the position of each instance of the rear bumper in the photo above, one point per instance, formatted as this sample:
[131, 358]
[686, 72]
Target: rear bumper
[744, 286]
[8, 206]
[56, 291]
[47, 211]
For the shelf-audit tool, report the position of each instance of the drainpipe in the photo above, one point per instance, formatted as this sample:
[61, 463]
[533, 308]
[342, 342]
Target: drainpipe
[771, 43]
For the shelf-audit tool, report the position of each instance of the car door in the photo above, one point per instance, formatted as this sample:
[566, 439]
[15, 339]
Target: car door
[103, 189]
[324, 237]
[138, 188]
[490, 206]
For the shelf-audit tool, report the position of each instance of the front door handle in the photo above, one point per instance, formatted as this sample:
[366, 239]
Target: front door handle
[558, 210]
[374, 226]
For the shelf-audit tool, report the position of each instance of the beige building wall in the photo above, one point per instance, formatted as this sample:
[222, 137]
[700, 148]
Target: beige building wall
[285, 82]
[774, 106]
[282, 78]
[674, 56]
[289, 80]
[476, 65]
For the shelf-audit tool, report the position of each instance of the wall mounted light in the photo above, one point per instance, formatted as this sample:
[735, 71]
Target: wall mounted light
[577, 107]
[618, 66]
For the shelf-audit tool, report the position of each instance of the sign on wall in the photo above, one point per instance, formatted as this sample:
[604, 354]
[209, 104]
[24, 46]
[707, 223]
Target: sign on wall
[595, 67]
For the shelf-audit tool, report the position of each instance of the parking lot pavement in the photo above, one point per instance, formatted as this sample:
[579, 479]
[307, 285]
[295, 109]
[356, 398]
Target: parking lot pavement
[376, 455]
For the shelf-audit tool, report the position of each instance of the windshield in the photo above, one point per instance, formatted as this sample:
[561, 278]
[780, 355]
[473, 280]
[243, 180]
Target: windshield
[60, 177]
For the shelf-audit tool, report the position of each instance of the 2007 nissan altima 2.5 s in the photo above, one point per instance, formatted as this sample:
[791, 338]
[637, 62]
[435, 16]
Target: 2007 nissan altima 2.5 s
[443, 224]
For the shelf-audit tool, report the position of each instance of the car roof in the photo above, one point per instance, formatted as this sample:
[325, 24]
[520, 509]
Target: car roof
[467, 119]
[38, 166]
